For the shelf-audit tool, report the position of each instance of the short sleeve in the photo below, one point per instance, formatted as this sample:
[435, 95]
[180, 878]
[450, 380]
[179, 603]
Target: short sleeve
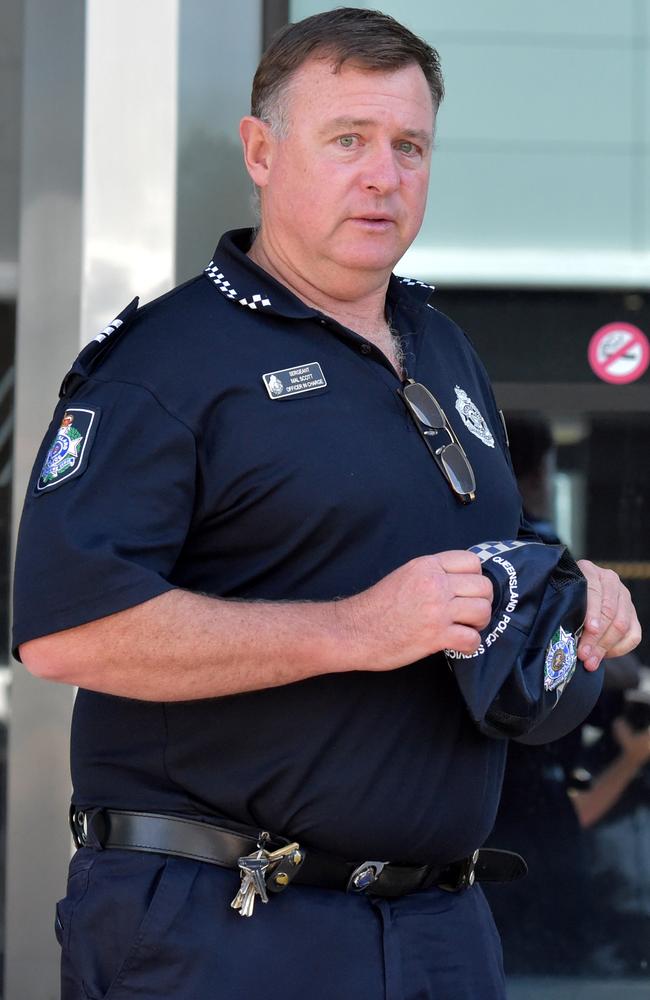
[108, 508]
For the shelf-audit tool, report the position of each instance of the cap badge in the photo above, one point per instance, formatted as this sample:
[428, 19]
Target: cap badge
[560, 661]
[472, 418]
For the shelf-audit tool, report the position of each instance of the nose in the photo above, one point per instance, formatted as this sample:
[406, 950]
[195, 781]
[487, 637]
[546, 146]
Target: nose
[381, 173]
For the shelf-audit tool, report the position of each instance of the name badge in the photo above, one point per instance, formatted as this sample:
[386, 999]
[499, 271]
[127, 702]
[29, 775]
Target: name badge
[294, 381]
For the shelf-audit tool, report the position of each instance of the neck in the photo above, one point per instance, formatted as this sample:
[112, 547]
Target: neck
[358, 304]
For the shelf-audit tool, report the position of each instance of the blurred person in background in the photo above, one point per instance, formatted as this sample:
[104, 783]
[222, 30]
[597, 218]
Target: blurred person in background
[553, 793]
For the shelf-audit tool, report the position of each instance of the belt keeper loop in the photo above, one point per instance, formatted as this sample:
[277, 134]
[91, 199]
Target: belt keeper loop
[89, 829]
[285, 871]
[466, 874]
[73, 819]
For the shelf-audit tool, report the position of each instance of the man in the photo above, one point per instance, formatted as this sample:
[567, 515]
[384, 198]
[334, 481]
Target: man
[252, 565]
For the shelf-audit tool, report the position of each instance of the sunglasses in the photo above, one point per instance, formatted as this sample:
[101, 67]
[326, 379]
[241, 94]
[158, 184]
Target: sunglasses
[430, 419]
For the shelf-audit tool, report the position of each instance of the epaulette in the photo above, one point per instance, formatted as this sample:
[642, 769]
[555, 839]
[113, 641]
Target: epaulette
[90, 356]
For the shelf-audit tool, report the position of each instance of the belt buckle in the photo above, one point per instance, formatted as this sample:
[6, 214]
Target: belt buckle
[466, 874]
[365, 875]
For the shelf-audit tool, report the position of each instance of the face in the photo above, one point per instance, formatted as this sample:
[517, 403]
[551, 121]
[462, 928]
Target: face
[346, 189]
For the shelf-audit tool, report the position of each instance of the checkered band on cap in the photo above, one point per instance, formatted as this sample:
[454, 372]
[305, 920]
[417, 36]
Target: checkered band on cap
[218, 278]
[486, 550]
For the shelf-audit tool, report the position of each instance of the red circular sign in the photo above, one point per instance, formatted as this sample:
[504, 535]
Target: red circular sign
[619, 353]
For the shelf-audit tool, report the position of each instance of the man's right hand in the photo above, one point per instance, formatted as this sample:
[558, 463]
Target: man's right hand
[431, 603]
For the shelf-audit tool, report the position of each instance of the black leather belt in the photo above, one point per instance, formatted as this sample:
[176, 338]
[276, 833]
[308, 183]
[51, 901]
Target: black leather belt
[187, 838]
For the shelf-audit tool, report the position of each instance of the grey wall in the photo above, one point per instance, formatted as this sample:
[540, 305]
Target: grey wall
[49, 300]
[11, 51]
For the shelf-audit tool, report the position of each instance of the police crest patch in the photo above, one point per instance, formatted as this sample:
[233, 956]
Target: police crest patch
[472, 417]
[560, 661]
[68, 453]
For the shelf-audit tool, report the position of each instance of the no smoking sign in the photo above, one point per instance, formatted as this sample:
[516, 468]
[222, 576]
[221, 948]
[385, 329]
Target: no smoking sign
[619, 353]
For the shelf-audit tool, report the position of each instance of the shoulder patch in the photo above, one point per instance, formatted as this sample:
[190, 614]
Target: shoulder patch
[67, 456]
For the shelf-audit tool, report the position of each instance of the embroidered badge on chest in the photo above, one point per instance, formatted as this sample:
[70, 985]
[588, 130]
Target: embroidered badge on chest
[472, 418]
[294, 381]
[68, 452]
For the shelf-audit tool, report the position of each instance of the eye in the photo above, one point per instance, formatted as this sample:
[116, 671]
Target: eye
[347, 141]
[408, 148]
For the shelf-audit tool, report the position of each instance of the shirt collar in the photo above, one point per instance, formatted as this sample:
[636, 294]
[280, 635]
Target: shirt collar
[240, 279]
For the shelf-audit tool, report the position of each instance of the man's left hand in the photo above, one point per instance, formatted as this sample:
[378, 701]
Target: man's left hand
[611, 624]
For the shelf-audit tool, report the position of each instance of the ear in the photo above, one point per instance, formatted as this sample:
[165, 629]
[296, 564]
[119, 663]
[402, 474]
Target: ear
[258, 146]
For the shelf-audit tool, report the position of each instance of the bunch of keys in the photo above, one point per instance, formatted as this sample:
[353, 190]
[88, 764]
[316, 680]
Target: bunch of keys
[253, 869]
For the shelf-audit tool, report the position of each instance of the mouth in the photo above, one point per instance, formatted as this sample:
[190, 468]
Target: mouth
[374, 221]
[375, 216]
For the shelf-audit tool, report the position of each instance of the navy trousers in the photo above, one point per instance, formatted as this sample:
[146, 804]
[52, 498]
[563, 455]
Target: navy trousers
[146, 926]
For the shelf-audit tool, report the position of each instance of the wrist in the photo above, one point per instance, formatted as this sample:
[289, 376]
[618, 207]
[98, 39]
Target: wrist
[350, 634]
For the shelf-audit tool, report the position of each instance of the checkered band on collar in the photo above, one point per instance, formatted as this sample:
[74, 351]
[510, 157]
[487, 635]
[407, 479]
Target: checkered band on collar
[218, 279]
[414, 281]
[257, 290]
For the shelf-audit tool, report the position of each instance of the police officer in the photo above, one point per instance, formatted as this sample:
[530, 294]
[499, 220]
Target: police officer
[249, 555]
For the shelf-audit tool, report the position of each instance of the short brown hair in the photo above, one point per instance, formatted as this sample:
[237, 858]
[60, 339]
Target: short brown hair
[374, 40]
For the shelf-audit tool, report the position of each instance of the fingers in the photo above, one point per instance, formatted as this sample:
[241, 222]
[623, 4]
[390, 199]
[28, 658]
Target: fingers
[463, 639]
[458, 561]
[473, 611]
[615, 630]
[471, 597]
[465, 572]
[464, 585]
[620, 638]
[611, 624]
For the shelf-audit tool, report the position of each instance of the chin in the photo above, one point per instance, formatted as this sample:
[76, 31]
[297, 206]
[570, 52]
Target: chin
[370, 254]
[371, 260]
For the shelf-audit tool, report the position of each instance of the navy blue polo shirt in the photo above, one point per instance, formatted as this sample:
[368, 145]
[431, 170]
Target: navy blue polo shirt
[230, 440]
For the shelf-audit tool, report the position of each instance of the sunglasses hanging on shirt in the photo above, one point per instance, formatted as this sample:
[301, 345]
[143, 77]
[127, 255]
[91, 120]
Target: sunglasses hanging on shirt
[431, 421]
